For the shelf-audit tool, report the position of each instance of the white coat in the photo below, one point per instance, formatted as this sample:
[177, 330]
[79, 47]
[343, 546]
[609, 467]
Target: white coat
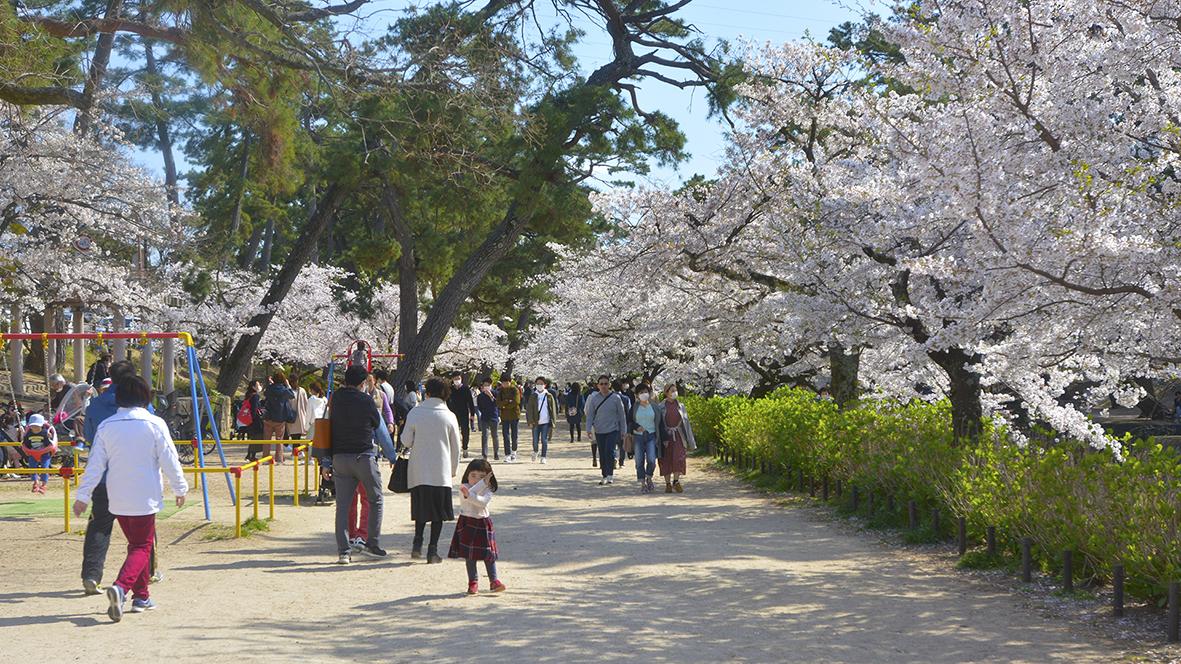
[132, 447]
[432, 435]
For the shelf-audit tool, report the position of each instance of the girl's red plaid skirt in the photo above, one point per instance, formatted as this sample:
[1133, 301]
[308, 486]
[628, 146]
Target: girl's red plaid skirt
[474, 539]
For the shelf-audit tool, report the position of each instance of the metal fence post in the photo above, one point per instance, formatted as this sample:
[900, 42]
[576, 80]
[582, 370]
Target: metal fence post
[1068, 570]
[912, 516]
[991, 534]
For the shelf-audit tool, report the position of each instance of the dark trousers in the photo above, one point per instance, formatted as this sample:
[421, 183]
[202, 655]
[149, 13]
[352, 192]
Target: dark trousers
[509, 428]
[98, 535]
[575, 426]
[465, 431]
[349, 471]
[607, 443]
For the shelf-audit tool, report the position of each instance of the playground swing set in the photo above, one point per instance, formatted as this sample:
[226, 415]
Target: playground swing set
[358, 351]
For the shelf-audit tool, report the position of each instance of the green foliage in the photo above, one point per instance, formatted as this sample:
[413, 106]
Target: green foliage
[1063, 495]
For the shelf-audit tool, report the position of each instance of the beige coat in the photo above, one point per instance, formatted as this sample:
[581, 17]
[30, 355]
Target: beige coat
[432, 435]
[300, 405]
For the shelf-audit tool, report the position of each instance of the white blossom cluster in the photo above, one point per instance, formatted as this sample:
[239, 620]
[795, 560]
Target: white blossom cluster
[1007, 194]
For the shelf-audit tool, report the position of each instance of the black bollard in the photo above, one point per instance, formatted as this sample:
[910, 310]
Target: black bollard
[1026, 560]
[1117, 591]
[963, 535]
[824, 488]
[840, 488]
[991, 541]
[912, 517]
[1068, 571]
[854, 494]
[869, 501]
[935, 521]
[890, 504]
[811, 486]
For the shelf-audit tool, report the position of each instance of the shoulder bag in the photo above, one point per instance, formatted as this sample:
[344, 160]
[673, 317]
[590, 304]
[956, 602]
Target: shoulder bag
[399, 482]
[322, 434]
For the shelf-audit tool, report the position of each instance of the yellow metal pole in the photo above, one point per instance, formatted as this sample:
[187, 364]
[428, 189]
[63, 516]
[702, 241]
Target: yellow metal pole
[67, 500]
[307, 454]
[75, 475]
[272, 472]
[295, 449]
[238, 505]
[256, 493]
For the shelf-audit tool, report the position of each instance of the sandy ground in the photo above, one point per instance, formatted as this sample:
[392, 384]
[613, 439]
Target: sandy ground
[595, 574]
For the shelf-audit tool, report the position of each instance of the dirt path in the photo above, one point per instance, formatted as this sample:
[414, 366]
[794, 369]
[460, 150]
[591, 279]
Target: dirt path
[594, 574]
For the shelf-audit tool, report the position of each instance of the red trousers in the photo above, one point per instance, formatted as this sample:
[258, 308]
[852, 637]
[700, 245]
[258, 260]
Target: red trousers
[140, 531]
[360, 529]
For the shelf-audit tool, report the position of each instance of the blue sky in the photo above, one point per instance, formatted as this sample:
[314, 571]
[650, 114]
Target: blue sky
[776, 21]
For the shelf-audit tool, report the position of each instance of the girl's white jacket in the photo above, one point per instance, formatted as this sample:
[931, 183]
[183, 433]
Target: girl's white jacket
[131, 448]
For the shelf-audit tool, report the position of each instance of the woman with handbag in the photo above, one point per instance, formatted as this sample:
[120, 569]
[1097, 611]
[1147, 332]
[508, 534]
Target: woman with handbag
[433, 437]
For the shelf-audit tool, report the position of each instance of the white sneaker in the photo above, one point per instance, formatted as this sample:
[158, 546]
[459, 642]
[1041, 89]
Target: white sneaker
[514, 457]
[543, 459]
[534, 458]
[357, 544]
[610, 479]
[602, 481]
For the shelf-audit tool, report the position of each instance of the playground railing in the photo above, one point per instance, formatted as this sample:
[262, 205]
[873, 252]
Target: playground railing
[75, 452]
[299, 452]
[236, 471]
[65, 473]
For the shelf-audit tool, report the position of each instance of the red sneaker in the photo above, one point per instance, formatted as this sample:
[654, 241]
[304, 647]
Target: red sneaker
[473, 587]
[497, 586]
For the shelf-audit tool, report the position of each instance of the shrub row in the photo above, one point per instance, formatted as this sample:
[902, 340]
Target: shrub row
[1109, 509]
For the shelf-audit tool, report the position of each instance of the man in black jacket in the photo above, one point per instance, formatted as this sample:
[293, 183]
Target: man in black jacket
[353, 417]
[463, 404]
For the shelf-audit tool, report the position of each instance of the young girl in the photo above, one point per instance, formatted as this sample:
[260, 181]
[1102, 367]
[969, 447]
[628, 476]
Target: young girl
[40, 444]
[474, 538]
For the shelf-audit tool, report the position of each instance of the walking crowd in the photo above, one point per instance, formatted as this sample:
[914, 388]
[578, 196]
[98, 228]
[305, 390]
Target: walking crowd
[422, 435]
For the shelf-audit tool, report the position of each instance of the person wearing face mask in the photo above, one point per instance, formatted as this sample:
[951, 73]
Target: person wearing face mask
[678, 441]
[650, 433]
[489, 419]
[606, 421]
[463, 404]
[541, 412]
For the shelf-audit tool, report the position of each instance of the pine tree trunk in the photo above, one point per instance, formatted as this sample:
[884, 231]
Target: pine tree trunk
[98, 71]
[268, 243]
[455, 293]
[407, 278]
[238, 362]
[163, 135]
[250, 253]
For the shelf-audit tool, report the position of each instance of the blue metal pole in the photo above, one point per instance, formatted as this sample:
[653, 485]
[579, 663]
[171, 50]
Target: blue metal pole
[196, 378]
[331, 369]
[198, 451]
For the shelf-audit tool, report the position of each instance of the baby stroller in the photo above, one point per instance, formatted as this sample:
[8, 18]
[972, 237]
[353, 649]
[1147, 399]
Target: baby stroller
[327, 493]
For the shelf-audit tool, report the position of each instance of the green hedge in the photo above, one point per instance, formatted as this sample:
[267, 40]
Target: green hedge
[1062, 495]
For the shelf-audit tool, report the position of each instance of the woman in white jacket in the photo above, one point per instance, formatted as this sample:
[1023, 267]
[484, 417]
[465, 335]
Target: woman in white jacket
[130, 450]
[432, 435]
